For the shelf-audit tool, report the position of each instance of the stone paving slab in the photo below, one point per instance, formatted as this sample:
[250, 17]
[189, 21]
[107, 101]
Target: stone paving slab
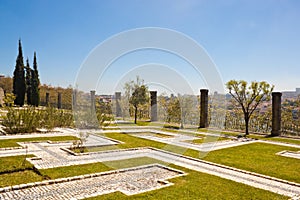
[129, 181]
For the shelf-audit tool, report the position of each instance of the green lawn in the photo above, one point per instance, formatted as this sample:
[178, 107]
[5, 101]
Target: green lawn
[260, 158]
[207, 139]
[256, 136]
[256, 157]
[278, 139]
[158, 135]
[20, 177]
[13, 142]
[14, 163]
[195, 185]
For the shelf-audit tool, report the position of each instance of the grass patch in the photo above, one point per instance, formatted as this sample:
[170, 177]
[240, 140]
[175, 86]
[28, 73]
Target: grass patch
[285, 140]
[161, 135]
[14, 163]
[260, 158]
[133, 162]
[207, 139]
[61, 172]
[143, 123]
[224, 132]
[15, 170]
[277, 139]
[17, 178]
[75, 170]
[13, 142]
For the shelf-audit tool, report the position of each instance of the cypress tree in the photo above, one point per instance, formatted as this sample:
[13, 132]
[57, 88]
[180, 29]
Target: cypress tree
[28, 83]
[19, 86]
[35, 82]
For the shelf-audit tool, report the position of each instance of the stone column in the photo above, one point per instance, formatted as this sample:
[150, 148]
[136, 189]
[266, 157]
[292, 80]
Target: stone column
[153, 97]
[47, 98]
[276, 113]
[203, 108]
[74, 99]
[118, 104]
[59, 100]
[93, 104]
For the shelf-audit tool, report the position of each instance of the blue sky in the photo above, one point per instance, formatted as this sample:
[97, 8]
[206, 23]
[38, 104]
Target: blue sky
[246, 39]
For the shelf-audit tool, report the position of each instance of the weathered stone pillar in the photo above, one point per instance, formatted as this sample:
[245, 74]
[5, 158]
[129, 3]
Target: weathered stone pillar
[93, 102]
[276, 113]
[74, 99]
[118, 104]
[47, 98]
[203, 108]
[59, 100]
[153, 97]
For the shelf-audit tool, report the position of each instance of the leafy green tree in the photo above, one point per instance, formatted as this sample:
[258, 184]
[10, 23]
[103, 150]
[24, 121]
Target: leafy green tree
[28, 83]
[249, 97]
[174, 110]
[35, 82]
[138, 97]
[19, 86]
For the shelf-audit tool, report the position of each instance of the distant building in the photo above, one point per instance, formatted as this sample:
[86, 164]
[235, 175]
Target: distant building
[105, 98]
[291, 94]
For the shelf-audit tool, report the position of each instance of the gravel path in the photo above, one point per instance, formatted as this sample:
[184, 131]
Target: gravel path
[128, 181]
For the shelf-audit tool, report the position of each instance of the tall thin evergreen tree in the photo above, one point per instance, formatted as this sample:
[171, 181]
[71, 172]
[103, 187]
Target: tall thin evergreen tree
[35, 82]
[28, 83]
[19, 85]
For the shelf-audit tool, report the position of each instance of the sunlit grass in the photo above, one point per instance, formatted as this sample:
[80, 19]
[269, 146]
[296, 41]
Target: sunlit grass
[13, 142]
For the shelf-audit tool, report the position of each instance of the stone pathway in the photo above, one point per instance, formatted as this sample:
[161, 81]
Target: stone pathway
[128, 181]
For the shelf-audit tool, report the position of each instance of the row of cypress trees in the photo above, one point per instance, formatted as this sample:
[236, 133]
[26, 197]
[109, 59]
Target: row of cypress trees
[26, 84]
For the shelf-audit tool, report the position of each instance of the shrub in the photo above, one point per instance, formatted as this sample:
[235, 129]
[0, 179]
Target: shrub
[28, 120]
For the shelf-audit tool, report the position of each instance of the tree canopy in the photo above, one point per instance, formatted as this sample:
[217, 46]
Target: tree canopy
[249, 96]
[139, 95]
[19, 85]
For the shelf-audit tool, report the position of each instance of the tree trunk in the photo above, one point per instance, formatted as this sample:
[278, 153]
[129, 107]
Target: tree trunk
[135, 114]
[247, 124]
